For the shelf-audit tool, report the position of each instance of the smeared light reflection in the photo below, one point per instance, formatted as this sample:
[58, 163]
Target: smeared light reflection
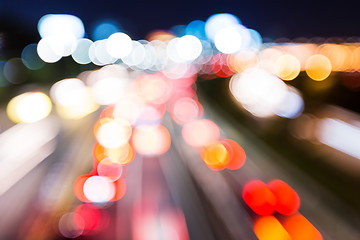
[339, 135]
[300, 228]
[287, 200]
[258, 91]
[29, 107]
[99, 189]
[292, 105]
[269, 228]
[259, 198]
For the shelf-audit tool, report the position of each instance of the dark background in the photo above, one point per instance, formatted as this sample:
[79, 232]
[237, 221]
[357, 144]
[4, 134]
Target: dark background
[273, 19]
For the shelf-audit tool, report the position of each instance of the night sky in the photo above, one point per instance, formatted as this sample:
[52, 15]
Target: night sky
[273, 19]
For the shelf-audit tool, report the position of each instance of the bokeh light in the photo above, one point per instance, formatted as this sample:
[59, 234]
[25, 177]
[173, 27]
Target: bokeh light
[30, 57]
[119, 45]
[114, 133]
[300, 228]
[99, 189]
[258, 91]
[151, 140]
[318, 67]
[287, 200]
[269, 228]
[107, 168]
[81, 52]
[217, 22]
[259, 198]
[236, 153]
[287, 67]
[200, 133]
[29, 107]
[215, 156]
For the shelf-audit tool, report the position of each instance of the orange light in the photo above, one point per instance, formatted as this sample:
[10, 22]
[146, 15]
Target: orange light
[300, 228]
[120, 189]
[288, 202]
[269, 228]
[107, 112]
[79, 186]
[200, 133]
[318, 67]
[215, 156]
[237, 154]
[259, 198]
[98, 152]
[287, 67]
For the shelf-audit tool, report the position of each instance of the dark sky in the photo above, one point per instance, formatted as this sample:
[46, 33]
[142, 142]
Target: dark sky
[273, 19]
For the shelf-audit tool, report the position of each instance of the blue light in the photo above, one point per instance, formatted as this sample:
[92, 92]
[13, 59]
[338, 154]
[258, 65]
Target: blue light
[105, 29]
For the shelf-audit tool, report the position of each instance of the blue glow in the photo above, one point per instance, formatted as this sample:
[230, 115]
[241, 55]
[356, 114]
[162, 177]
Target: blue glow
[30, 58]
[197, 29]
[256, 39]
[178, 30]
[105, 29]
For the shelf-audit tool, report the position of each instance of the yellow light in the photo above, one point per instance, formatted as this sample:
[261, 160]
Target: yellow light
[287, 67]
[269, 228]
[318, 67]
[29, 107]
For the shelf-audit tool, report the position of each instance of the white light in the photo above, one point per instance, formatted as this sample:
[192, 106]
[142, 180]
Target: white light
[102, 54]
[50, 49]
[189, 47]
[108, 90]
[340, 135]
[258, 91]
[81, 53]
[60, 24]
[114, 134]
[228, 40]
[33, 107]
[68, 92]
[99, 189]
[292, 105]
[136, 56]
[119, 45]
[217, 22]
